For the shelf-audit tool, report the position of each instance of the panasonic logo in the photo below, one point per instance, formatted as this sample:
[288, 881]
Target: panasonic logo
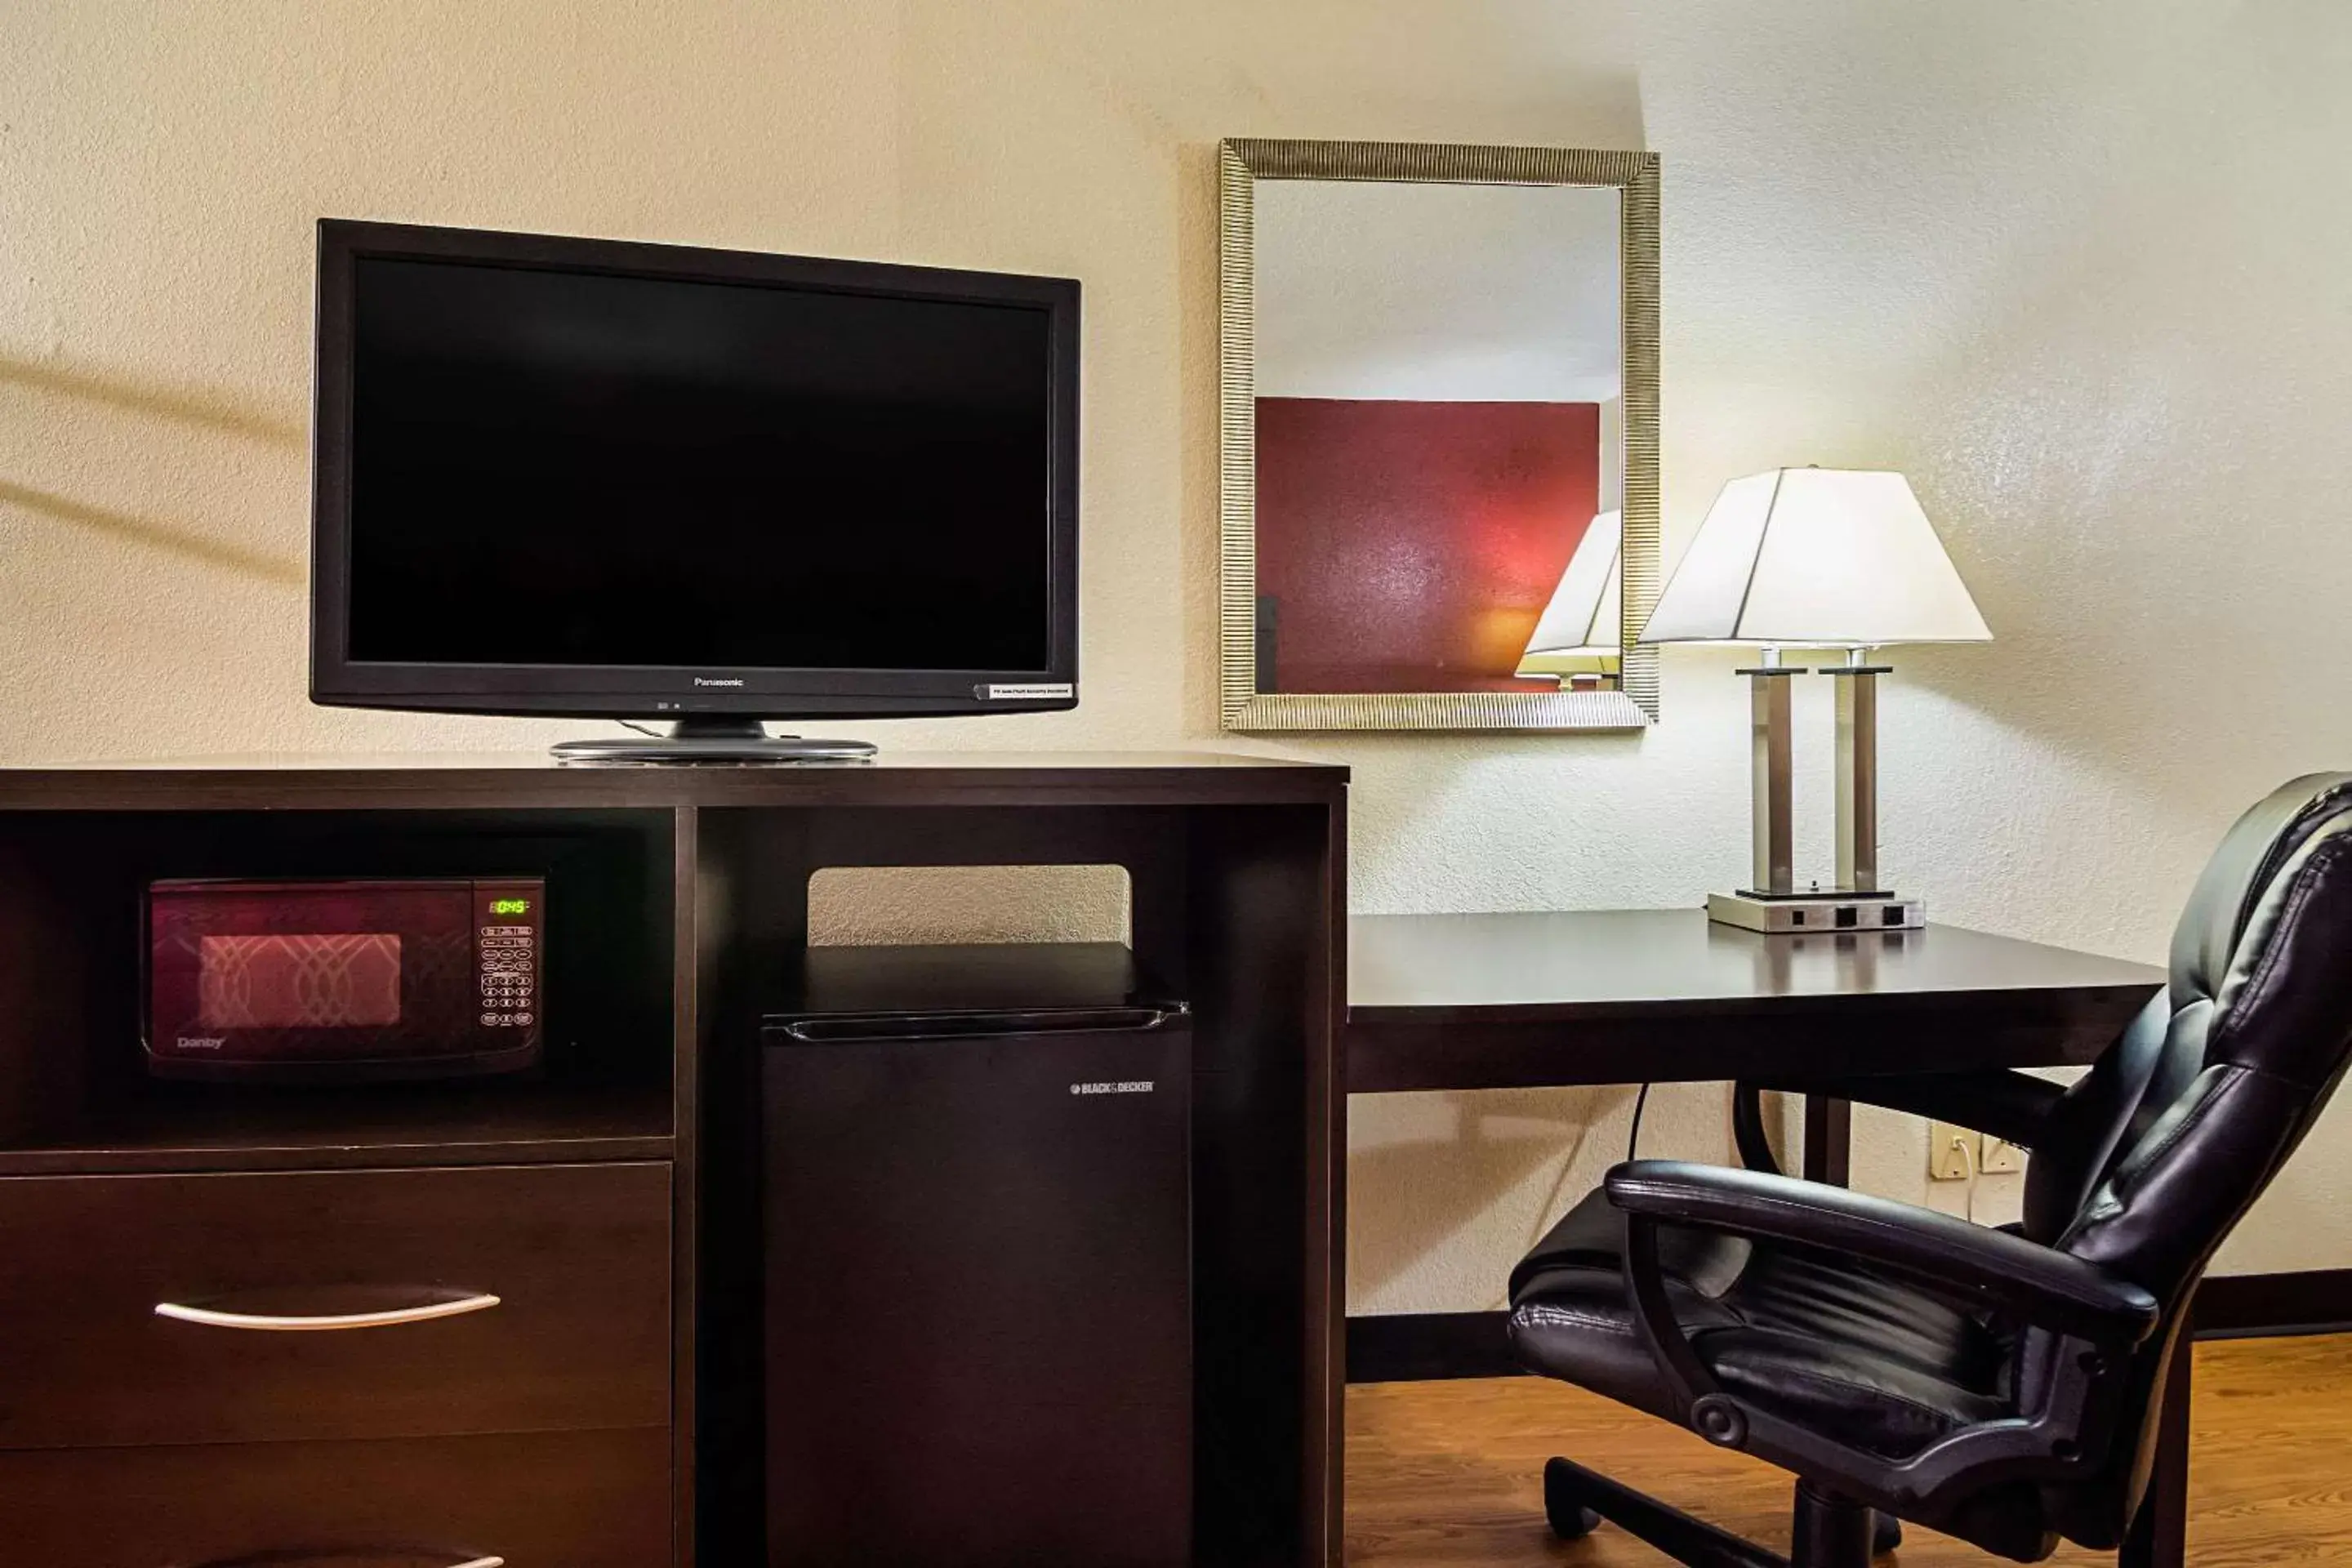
[727, 680]
[1124, 1086]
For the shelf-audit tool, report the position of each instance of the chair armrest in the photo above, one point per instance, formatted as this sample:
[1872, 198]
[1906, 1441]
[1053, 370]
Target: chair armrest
[2009, 1105]
[2047, 1288]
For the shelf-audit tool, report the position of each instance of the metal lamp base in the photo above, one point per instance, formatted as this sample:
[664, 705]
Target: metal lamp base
[1774, 906]
[1784, 914]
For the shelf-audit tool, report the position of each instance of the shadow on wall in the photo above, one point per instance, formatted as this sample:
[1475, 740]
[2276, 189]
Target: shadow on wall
[1477, 1161]
[160, 535]
[206, 410]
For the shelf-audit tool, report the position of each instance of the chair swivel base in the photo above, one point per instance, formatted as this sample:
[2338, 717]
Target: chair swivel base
[1831, 1532]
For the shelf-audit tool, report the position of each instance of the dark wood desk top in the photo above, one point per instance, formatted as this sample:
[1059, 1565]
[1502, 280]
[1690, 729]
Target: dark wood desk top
[1607, 995]
[1552, 963]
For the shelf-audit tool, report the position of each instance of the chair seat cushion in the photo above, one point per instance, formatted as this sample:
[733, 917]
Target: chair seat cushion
[1882, 1364]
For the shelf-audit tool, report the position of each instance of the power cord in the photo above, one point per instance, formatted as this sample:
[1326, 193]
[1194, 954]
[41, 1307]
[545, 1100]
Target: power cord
[640, 729]
[1969, 1198]
[1967, 1156]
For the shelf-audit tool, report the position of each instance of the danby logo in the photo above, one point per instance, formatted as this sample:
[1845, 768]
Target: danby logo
[1123, 1086]
[203, 1042]
[724, 680]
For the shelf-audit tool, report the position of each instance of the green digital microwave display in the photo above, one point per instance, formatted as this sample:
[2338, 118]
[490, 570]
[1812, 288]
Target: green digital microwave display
[510, 906]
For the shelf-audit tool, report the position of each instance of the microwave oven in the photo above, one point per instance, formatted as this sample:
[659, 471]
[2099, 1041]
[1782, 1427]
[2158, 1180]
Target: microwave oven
[344, 981]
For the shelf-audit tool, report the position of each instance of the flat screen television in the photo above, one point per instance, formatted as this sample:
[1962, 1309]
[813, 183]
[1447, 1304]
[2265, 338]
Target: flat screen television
[559, 476]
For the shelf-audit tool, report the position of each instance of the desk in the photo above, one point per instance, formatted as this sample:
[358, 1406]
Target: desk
[1514, 1001]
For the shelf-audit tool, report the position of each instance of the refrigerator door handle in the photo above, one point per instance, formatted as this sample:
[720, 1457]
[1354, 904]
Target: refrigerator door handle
[952, 1026]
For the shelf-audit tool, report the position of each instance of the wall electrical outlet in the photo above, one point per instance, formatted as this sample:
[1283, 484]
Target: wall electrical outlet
[2002, 1156]
[1952, 1153]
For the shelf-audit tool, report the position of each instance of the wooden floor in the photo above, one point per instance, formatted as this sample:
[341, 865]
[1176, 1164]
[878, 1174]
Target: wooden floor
[1445, 1475]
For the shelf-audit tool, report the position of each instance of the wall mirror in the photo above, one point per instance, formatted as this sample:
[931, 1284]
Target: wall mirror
[1439, 436]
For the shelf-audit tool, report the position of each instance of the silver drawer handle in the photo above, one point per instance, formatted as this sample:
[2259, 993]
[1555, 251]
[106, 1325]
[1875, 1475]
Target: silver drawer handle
[270, 1323]
[268, 1557]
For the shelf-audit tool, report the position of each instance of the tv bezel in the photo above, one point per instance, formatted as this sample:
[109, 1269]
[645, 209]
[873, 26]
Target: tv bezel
[670, 692]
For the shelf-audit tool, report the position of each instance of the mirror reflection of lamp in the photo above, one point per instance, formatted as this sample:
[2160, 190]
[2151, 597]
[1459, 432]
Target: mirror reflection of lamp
[1578, 639]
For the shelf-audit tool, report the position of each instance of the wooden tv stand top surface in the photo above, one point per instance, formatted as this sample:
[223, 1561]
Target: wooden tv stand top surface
[365, 780]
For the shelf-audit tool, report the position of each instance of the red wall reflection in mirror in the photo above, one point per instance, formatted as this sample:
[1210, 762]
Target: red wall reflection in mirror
[1410, 546]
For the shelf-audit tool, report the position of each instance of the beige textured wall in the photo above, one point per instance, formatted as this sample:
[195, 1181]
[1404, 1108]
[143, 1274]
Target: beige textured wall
[862, 906]
[2079, 269]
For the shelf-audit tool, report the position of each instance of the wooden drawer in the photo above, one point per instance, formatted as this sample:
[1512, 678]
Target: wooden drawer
[578, 1256]
[571, 1499]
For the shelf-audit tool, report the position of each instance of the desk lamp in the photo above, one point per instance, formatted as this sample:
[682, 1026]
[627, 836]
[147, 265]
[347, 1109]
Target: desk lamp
[1820, 558]
[1579, 633]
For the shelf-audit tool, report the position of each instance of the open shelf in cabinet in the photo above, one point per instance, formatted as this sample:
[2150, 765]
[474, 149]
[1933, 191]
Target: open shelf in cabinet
[74, 1093]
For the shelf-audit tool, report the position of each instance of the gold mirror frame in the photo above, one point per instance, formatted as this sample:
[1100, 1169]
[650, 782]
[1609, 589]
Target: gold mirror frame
[1240, 164]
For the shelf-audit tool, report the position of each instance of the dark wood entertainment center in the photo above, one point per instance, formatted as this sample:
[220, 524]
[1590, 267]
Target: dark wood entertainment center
[561, 1427]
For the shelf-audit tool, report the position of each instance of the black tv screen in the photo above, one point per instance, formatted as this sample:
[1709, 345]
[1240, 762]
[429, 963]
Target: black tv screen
[582, 476]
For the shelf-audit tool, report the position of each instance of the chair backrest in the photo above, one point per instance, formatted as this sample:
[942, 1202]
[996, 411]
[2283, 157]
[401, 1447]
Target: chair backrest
[2151, 1160]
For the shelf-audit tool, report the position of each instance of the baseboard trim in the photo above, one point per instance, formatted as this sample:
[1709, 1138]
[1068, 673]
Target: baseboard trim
[2251, 1306]
[1425, 1347]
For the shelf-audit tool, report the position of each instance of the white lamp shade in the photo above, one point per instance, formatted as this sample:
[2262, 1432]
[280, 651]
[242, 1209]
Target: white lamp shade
[1587, 610]
[1816, 558]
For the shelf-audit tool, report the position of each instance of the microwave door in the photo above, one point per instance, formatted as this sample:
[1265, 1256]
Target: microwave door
[334, 979]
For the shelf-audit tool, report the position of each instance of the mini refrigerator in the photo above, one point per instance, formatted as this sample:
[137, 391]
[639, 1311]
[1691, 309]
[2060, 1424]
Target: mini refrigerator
[975, 1226]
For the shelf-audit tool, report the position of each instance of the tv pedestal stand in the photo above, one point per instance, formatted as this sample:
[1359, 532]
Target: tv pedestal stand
[714, 740]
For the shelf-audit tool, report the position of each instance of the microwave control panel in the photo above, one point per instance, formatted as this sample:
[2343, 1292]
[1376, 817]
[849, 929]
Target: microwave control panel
[509, 917]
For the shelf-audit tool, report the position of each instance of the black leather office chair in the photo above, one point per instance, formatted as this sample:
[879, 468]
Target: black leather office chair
[2000, 1386]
